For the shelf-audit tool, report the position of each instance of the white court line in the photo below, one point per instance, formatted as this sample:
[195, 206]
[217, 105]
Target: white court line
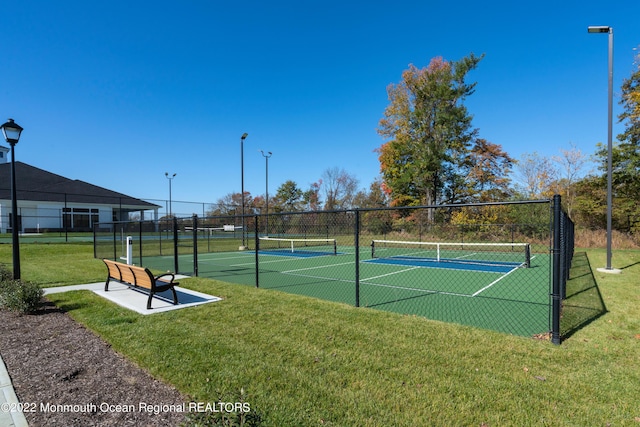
[437, 267]
[317, 277]
[392, 273]
[429, 291]
[314, 268]
[365, 281]
[494, 282]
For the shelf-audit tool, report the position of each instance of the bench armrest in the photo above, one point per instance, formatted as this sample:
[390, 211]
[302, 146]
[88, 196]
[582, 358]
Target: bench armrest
[164, 280]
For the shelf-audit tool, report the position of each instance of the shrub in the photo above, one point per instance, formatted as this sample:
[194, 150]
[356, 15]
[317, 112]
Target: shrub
[5, 274]
[21, 296]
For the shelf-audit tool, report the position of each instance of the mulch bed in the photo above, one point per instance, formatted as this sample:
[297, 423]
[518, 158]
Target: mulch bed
[53, 360]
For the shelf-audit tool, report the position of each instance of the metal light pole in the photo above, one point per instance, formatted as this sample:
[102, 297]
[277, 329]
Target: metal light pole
[12, 131]
[170, 178]
[609, 30]
[242, 138]
[266, 159]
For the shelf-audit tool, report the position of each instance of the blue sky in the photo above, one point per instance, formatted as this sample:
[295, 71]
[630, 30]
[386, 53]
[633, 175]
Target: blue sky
[175, 84]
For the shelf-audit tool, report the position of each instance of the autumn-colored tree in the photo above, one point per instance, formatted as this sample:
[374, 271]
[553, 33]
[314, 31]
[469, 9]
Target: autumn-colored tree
[374, 198]
[311, 197]
[589, 208]
[428, 131]
[231, 204]
[571, 163]
[488, 176]
[625, 155]
[538, 176]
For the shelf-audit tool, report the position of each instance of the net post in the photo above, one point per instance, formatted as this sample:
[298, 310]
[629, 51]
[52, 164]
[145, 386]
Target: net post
[129, 253]
[373, 249]
[527, 255]
[335, 247]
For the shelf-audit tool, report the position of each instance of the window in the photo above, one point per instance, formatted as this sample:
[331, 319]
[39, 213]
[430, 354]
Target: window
[80, 218]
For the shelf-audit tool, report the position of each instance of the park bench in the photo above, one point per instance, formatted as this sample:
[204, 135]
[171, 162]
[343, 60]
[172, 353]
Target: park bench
[139, 277]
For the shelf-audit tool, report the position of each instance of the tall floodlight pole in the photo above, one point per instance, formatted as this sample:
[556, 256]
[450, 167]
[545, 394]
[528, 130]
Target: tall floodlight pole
[170, 178]
[606, 29]
[11, 132]
[242, 138]
[266, 199]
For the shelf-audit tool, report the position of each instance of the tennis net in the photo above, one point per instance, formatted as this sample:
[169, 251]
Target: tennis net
[507, 254]
[299, 246]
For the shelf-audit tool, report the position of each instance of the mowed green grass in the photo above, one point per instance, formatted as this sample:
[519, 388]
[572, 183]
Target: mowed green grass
[307, 362]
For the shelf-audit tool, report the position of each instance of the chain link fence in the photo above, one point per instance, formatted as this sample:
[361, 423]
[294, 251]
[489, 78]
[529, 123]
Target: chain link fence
[498, 266]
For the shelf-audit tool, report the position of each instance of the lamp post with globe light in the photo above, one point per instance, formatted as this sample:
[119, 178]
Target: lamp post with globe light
[11, 131]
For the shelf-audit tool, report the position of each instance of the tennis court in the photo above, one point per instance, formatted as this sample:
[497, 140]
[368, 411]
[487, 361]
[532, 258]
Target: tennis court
[506, 276]
[455, 288]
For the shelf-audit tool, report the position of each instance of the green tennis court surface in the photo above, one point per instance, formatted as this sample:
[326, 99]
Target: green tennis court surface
[507, 297]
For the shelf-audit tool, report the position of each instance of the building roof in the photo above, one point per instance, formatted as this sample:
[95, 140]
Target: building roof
[39, 185]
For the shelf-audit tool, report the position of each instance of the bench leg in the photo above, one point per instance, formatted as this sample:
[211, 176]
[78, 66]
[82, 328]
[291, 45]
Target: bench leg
[175, 296]
[149, 300]
[106, 285]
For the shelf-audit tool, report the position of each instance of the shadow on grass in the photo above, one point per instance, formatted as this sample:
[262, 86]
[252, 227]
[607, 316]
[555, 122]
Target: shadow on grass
[54, 304]
[630, 265]
[583, 303]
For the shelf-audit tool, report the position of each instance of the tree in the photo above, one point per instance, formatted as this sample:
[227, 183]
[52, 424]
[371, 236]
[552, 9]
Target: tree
[571, 163]
[589, 208]
[488, 176]
[288, 197]
[375, 221]
[537, 176]
[428, 130]
[374, 198]
[625, 154]
[231, 204]
[311, 197]
[339, 188]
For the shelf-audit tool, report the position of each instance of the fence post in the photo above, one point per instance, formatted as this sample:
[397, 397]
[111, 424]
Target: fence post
[564, 268]
[95, 251]
[556, 301]
[140, 225]
[195, 244]
[115, 244]
[257, 246]
[175, 245]
[356, 242]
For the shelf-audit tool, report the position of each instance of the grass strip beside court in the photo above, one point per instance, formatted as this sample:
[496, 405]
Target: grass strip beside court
[306, 362]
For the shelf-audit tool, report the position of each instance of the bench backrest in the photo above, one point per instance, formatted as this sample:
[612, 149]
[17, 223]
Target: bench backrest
[114, 271]
[127, 274]
[138, 276]
[143, 277]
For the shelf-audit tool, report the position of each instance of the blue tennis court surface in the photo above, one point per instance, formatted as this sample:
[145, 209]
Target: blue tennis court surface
[448, 263]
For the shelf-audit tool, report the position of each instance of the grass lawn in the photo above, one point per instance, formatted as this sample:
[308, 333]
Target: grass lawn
[306, 362]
